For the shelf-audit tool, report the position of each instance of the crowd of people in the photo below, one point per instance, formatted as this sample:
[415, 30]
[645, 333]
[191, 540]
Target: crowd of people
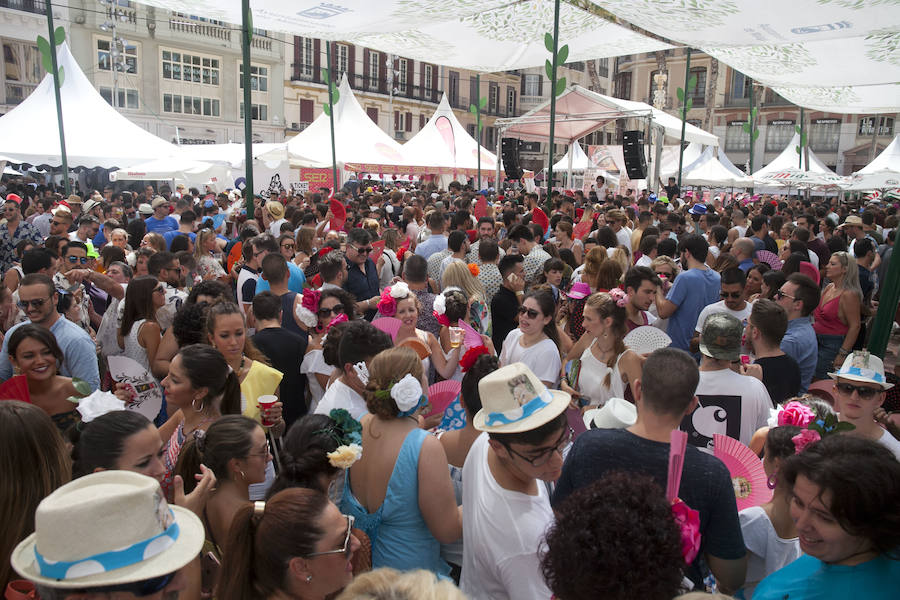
[411, 392]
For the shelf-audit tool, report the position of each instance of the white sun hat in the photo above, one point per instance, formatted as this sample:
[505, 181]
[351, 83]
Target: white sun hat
[514, 400]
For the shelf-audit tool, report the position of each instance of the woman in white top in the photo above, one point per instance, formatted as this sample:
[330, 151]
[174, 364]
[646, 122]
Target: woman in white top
[536, 341]
[770, 533]
[332, 303]
[607, 366]
[139, 335]
[388, 265]
[564, 232]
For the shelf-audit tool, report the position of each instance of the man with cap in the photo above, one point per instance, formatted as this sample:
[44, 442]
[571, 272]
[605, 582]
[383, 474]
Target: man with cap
[664, 395]
[160, 222]
[145, 211]
[14, 231]
[853, 227]
[506, 501]
[859, 390]
[730, 403]
[109, 534]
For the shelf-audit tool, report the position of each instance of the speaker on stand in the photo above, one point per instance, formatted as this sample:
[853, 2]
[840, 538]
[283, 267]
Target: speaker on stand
[633, 151]
[510, 152]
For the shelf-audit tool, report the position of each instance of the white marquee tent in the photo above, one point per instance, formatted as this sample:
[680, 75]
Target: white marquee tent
[96, 134]
[707, 171]
[883, 172]
[581, 163]
[787, 170]
[669, 166]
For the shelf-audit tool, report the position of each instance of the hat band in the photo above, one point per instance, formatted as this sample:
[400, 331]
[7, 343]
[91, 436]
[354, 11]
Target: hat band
[109, 561]
[524, 411]
[867, 373]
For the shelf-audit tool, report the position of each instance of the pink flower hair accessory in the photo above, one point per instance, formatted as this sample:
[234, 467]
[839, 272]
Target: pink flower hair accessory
[387, 306]
[309, 306]
[619, 296]
[796, 414]
[804, 439]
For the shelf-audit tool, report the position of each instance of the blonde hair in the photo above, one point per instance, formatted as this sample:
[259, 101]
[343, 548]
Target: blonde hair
[850, 280]
[592, 262]
[202, 236]
[387, 368]
[667, 261]
[620, 255]
[390, 584]
[457, 274]
[604, 305]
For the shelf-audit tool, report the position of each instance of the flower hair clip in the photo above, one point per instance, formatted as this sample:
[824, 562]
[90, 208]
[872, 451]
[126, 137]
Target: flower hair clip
[620, 297]
[362, 372]
[406, 394]
[389, 297]
[817, 429]
[309, 306]
[347, 431]
[468, 359]
[473, 269]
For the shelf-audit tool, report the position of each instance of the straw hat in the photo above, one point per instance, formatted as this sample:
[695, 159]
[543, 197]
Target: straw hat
[514, 400]
[276, 209]
[863, 367]
[159, 201]
[74, 199]
[615, 414]
[107, 528]
[852, 221]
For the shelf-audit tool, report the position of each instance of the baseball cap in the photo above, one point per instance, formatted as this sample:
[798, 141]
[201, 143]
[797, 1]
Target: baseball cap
[159, 201]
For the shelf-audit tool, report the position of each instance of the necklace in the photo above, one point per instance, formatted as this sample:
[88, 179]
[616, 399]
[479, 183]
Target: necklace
[197, 426]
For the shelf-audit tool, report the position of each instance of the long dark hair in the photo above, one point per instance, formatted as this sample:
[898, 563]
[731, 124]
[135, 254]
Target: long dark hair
[35, 332]
[303, 456]
[544, 298]
[99, 444]
[206, 367]
[138, 302]
[228, 437]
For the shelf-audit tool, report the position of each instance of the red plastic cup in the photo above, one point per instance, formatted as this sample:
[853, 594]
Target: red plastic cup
[265, 403]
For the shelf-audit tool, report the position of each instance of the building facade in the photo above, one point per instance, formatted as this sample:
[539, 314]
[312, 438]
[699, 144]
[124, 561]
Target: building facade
[21, 22]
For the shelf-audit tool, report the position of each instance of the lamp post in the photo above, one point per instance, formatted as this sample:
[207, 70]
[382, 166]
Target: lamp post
[117, 45]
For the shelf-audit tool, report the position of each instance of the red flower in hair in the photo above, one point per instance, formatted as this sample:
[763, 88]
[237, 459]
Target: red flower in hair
[401, 252]
[310, 300]
[442, 319]
[468, 359]
[325, 250]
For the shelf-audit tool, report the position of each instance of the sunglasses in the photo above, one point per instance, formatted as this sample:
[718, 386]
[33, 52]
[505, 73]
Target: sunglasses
[864, 393]
[734, 295]
[532, 314]
[324, 312]
[362, 250]
[145, 587]
[289, 246]
[36, 303]
[345, 550]
[779, 295]
[663, 274]
[75, 259]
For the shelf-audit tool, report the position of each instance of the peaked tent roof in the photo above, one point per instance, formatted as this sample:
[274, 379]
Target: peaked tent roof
[784, 169]
[670, 164]
[96, 134]
[708, 171]
[443, 146]
[883, 172]
[580, 111]
[580, 161]
[726, 162]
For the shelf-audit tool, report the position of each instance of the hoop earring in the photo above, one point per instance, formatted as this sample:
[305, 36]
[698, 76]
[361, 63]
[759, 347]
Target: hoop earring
[242, 475]
[309, 579]
[202, 403]
[772, 481]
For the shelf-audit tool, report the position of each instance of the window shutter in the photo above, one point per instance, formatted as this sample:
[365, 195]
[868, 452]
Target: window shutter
[408, 121]
[410, 81]
[306, 111]
[351, 65]
[317, 61]
[298, 55]
[365, 69]
[372, 111]
[541, 85]
[521, 85]
[422, 121]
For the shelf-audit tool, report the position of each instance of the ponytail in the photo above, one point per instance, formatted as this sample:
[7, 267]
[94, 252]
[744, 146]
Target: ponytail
[229, 437]
[236, 577]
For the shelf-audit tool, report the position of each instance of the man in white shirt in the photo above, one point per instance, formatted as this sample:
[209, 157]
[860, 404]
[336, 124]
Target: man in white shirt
[733, 302]
[506, 503]
[730, 403]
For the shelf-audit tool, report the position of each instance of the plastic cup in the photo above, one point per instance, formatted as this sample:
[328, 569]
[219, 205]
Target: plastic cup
[456, 336]
[265, 403]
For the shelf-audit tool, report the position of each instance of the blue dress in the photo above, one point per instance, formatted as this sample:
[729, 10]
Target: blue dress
[808, 578]
[400, 538]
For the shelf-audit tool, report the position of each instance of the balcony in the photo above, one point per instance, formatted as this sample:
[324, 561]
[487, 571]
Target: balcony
[184, 25]
[17, 92]
[261, 43]
[122, 14]
[38, 7]
[736, 101]
[298, 127]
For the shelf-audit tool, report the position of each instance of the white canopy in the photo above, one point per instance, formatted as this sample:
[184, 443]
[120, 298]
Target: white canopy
[96, 134]
[709, 172]
[580, 111]
[177, 168]
[883, 172]
[670, 160]
[580, 161]
[787, 169]
[444, 147]
[233, 154]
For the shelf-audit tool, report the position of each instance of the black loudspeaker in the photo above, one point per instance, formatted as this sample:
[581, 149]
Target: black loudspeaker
[510, 152]
[633, 150]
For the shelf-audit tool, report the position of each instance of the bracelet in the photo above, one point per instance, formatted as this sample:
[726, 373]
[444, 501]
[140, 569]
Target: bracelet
[843, 352]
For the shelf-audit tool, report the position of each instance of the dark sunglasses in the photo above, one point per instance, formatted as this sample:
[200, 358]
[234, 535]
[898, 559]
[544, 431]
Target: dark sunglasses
[145, 587]
[75, 259]
[779, 295]
[663, 274]
[36, 303]
[731, 294]
[532, 314]
[291, 246]
[362, 250]
[865, 393]
[324, 312]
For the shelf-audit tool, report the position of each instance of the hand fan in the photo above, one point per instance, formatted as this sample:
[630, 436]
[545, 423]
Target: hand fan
[441, 394]
[770, 258]
[480, 207]
[471, 338]
[377, 250]
[677, 446]
[646, 338]
[389, 325]
[418, 345]
[747, 472]
[538, 216]
[581, 230]
[339, 213]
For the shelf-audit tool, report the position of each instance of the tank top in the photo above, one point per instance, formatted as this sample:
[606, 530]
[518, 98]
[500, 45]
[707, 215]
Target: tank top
[593, 374]
[133, 348]
[826, 317]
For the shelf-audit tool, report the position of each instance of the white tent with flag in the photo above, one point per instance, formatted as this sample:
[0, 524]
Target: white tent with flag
[707, 171]
[96, 134]
[883, 172]
[787, 169]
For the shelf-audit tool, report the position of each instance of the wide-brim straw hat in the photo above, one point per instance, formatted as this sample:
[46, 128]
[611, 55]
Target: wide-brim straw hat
[514, 400]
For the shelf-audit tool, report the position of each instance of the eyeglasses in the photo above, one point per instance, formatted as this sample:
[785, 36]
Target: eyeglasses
[663, 274]
[734, 295]
[267, 451]
[361, 250]
[288, 246]
[159, 289]
[36, 303]
[545, 455]
[345, 550]
[864, 393]
[532, 314]
[779, 295]
[75, 259]
[324, 312]
[145, 587]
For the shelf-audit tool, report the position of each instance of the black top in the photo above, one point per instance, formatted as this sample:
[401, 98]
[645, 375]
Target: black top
[771, 244]
[781, 376]
[287, 315]
[363, 286]
[285, 351]
[504, 310]
[672, 191]
[705, 483]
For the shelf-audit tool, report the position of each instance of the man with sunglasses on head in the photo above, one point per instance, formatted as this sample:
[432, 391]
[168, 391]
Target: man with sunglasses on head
[733, 302]
[38, 298]
[14, 231]
[362, 275]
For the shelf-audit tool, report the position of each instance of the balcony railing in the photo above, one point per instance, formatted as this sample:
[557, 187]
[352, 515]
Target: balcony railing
[182, 25]
[294, 126]
[261, 43]
[126, 15]
[38, 7]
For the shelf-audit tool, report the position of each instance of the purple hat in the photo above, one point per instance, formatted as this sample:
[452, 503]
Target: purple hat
[579, 290]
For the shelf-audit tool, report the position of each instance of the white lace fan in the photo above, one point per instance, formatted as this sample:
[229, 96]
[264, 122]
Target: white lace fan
[646, 339]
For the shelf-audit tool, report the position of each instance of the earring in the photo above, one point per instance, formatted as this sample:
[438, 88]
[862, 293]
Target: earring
[772, 481]
[202, 402]
[308, 578]
[242, 475]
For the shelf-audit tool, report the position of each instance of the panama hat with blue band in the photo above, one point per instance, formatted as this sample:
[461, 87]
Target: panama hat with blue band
[863, 367]
[514, 400]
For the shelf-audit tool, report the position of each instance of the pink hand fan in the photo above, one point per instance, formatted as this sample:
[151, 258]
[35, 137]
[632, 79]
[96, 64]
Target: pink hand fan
[441, 394]
[582, 229]
[746, 469]
[471, 338]
[480, 207]
[389, 325]
[770, 258]
[377, 249]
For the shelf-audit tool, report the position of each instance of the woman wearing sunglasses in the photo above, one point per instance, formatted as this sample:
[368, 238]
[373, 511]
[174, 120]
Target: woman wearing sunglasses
[332, 303]
[536, 341]
[296, 545]
[139, 334]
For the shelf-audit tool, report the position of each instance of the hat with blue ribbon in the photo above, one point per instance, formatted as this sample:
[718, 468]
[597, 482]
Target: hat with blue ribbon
[514, 400]
[105, 529]
[863, 367]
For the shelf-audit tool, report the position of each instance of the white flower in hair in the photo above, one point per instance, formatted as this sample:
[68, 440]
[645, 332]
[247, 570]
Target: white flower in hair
[362, 372]
[399, 290]
[406, 392]
[440, 304]
[345, 456]
[98, 404]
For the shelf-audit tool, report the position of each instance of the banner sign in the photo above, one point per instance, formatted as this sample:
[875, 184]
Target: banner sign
[317, 178]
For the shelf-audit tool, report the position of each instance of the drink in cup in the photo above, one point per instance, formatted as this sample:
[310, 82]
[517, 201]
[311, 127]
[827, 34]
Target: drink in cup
[456, 336]
[266, 402]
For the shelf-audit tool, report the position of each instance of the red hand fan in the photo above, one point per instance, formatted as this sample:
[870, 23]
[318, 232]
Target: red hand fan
[538, 216]
[377, 249]
[339, 212]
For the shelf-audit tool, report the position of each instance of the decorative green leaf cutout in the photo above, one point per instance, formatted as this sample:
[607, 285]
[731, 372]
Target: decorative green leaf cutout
[548, 67]
[59, 36]
[81, 386]
[548, 42]
[249, 24]
[689, 104]
[473, 109]
[562, 54]
[325, 75]
[326, 109]
[560, 85]
[755, 134]
[746, 127]
[680, 93]
[692, 81]
[797, 149]
[483, 102]
[797, 129]
[62, 75]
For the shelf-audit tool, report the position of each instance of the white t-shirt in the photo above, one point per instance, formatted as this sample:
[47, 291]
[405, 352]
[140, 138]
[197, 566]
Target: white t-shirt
[502, 530]
[314, 362]
[340, 395]
[719, 307]
[542, 358]
[623, 236]
[890, 443]
[766, 552]
[730, 404]
[644, 261]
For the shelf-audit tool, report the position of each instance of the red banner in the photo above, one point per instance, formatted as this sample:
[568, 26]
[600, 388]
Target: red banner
[317, 178]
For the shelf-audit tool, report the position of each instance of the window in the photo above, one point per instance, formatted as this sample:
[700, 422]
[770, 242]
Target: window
[372, 112]
[511, 101]
[191, 105]
[398, 121]
[471, 129]
[740, 85]
[824, 135]
[304, 69]
[307, 108]
[453, 87]
[341, 61]
[374, 70]
[698, 92]
[736, 139]
[575, 66]
[401, 78]
[105, 60]
[259, 78]
[885, 125]
[778, 134]
[407, 122]
[258, 112]
[190, 68]
[603, 67]
[490, 139]
[126, 98]
[428, 74]
[532, 85]
[493, 98]
[533, 147]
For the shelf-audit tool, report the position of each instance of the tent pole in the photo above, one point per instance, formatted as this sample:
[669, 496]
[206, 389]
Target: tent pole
[569, 174]
[478, 128]
[246, 34]
[59, 115]
[329, 83]
[752, 126]
[497, 163]
[553, 94]
[687, 75]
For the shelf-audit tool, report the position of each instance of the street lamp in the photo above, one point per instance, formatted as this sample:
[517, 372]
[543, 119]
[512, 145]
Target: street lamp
[116, 47]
